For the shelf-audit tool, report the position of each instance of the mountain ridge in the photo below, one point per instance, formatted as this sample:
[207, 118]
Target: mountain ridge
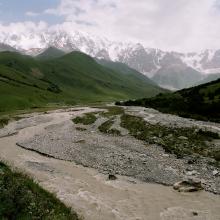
[148, 61]
[50, 53]
[102, 48]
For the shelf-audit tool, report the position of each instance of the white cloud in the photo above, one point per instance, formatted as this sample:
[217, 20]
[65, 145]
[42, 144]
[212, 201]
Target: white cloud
[23, 27]
[173, 25]
[22, 34]
[32, 14]
[184, 25]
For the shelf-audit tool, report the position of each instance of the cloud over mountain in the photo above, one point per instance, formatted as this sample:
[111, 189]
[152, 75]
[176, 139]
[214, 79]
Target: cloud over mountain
[181, 25]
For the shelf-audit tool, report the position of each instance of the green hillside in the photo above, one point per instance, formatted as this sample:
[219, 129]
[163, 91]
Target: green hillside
[74, 78]
[200, 102]
[50, 53]
[126, 70]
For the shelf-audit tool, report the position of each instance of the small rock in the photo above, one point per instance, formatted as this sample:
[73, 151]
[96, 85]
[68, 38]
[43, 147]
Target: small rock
[112, 177]
[169, 136]
[182, 138]
[203, 181]
[189, 169]
[191, 161]
[195, 213]
[215, 173]
[191, 173]
[80, 141]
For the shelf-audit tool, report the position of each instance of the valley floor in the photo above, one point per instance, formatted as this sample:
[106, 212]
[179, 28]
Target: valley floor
[74, 161]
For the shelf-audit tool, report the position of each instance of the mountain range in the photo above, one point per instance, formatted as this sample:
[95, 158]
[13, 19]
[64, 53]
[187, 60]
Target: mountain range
[171, 70]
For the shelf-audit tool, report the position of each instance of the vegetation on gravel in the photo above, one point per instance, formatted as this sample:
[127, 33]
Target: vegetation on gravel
[22, 198]
[178, 141]
[80, 129]
[106, 128]
[3, 122]
[87, 119]
[112, 111]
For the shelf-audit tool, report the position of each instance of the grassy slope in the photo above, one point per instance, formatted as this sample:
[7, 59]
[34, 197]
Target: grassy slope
[21, 198]
[200, 102]
[50, 53]
[73, 78]
[126, 70]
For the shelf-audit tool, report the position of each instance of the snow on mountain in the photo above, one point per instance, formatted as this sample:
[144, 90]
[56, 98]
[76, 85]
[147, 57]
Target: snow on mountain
[148, 61]
[207, 61]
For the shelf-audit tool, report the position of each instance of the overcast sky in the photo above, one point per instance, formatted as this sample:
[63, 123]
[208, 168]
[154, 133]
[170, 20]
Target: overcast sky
[182, 25]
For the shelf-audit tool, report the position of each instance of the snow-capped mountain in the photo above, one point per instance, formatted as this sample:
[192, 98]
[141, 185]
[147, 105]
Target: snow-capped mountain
[148, 61]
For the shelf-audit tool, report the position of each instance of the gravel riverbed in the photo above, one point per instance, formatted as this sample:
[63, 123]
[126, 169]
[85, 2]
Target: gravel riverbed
[124, 155]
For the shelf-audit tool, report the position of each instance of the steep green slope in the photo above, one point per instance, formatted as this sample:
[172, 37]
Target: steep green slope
[50, 53]
[200, 102]
[81, 72]
[70, 79]
[126, 70]
[22, 84]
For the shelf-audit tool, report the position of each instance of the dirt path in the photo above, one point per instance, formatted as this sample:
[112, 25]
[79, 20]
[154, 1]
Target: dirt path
[89, 192]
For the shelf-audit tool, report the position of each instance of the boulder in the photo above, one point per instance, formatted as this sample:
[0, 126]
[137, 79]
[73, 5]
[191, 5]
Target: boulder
[169, 136]
[112, 177]
[182, 138]
[188, 185]
[191, 173]
[215, 173]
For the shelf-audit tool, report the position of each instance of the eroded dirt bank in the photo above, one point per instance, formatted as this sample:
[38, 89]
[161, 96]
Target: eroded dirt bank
[87, 190]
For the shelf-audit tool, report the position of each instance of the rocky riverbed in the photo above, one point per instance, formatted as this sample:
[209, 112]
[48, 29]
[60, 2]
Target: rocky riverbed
[124, 155]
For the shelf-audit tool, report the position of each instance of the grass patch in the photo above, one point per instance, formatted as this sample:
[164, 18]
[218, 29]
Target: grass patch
[3, 122]
[80, 129]
[112, 111]
[209, 134]
[178, 141]
[214, 164]
[17, 117]
[87, 119]
[22, 198]
[217, 155]
[106, 128]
